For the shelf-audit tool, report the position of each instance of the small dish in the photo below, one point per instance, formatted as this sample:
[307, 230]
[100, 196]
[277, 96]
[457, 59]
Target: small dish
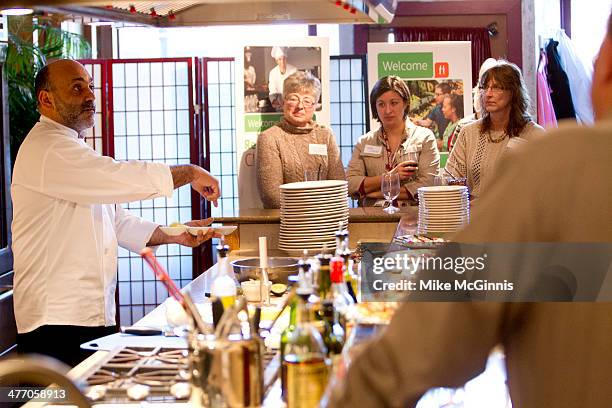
[173, 230]
[194, 230]
[226, 230]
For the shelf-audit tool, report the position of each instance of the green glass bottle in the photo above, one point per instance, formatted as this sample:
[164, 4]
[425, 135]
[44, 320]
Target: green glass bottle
[305, 367]
[323, 278]
[334, 336]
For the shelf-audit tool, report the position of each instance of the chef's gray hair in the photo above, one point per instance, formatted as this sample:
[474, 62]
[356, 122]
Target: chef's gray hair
[300, 82]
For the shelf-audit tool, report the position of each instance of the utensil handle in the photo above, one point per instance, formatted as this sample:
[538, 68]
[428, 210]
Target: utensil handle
[263, 252]
[184, 299]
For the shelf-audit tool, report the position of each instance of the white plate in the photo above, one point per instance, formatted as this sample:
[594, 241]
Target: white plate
[334, 214]
[226, 230]
[303, 185]
[314, 200]
[304, 239]
[443, 197]
[173, 230]
[314, 205]
[458, 204]
[458, 195]
[318, 192]
[309, 218]
[453, 202]
[194, 230]
[444, 211]
[441, 227]
[441, 189]
[326, 226]
[311, 226]
[318, 246]
[439, 221]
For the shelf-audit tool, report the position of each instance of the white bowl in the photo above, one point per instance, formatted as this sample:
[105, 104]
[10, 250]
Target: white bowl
[173, 230]
[251, 290]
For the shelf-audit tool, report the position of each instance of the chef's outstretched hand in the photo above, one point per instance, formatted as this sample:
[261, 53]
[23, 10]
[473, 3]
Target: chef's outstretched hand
[205, 184]
[201, 180]
[190, 240]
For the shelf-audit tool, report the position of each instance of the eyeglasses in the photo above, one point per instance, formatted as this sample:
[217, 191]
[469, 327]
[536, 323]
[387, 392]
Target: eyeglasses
[494, 89]
[294, 100]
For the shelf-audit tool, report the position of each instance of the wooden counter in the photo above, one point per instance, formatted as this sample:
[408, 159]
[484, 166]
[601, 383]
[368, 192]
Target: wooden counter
[272, 216]
[366, 224]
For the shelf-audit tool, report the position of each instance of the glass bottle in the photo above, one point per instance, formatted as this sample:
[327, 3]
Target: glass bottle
[304, 363]
[343, 251]
[303, 292]
[341, 299]
[323, 280]
[225, 283]
[334, 335]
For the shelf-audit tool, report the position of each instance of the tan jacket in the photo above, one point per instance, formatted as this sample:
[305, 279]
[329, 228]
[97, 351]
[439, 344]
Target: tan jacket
[372, 162]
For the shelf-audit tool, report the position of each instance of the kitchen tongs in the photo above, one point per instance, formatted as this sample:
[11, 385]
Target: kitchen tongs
[183, 298]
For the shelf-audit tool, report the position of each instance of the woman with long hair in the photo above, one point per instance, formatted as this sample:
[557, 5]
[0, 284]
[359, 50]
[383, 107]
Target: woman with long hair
[505, 124]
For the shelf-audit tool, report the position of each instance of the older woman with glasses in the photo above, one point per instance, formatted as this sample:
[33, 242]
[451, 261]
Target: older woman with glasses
[505, 124]
[297, 144]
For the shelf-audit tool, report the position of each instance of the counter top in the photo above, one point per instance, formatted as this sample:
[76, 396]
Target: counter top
[272, 216]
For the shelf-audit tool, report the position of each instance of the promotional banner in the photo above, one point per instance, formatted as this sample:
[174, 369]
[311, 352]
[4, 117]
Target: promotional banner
[439, 76]
[3, 28]
[261, 69]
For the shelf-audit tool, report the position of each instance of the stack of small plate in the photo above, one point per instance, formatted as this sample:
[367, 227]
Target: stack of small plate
[443, 208]
[311, 212]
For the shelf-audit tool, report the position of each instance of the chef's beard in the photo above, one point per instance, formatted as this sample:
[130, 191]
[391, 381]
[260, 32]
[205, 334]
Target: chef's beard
[73, 116]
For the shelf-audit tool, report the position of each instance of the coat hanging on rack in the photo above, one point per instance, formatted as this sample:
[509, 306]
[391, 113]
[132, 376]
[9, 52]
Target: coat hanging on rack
[580, 76]
[559, 84]
[546, 111]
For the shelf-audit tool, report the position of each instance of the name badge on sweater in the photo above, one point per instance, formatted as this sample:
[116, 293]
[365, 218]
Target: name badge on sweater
[317, 149]
[371, 149]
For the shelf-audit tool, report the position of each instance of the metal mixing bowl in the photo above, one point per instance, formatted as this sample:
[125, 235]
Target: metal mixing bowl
[279, 269]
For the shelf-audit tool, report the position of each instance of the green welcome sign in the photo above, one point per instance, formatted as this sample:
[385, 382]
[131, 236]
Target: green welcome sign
[406, 64]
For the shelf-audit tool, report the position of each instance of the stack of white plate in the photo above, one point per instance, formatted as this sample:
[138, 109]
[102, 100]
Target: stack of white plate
[443, 208]
[311, 212]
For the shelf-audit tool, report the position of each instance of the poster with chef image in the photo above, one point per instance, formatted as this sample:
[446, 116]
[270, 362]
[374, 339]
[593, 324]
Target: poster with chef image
[261, 69]
[439, 76]
[3, 28]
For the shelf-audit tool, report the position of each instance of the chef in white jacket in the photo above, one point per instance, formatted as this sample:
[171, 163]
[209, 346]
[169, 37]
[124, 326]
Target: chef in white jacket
[68, 220]
[277, 76]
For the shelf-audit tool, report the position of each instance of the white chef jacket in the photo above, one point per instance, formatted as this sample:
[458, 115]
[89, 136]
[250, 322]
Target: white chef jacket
[67, 223]
[276, 79]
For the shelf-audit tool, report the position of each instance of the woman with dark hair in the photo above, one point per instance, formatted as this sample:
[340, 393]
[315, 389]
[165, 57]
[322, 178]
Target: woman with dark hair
[452, 109]
[397, 146]
[505, 124]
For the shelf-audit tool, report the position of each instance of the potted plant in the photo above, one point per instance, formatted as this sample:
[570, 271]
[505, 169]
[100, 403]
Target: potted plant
[24, 59]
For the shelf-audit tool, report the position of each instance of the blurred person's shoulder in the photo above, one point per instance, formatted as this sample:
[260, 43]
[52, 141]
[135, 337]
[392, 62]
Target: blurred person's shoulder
[577, 139]
[569, 151]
